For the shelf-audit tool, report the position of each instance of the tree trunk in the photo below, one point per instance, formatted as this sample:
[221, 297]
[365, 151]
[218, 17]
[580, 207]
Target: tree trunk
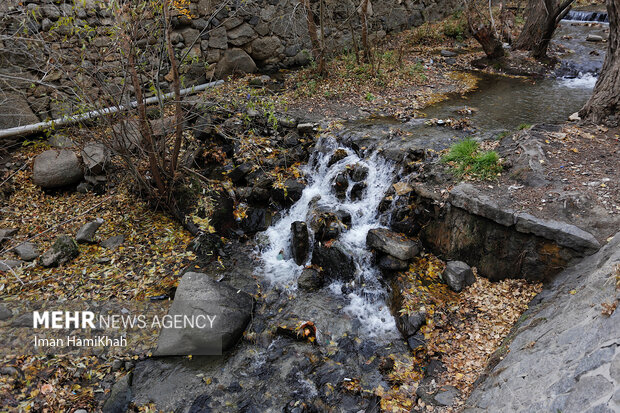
[484, 34]
[317, 52]
[604, 105]
[541, 20]
[490, 43]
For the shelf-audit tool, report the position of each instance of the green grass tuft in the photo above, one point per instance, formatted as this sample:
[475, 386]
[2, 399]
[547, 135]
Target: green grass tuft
[468, 160]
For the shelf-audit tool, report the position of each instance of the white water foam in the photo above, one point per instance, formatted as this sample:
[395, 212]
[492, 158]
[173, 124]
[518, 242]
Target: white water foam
[367, 299]
[583, 81]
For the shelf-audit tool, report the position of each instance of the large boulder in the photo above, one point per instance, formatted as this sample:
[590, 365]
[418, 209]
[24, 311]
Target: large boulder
[300, 243]
[198, 294]
[63, 250]
[264, 48]
[335, 260]
[234, 61]
[393, 244]
[55, 169]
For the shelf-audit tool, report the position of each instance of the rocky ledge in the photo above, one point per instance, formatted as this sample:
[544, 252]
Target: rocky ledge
[565, 353]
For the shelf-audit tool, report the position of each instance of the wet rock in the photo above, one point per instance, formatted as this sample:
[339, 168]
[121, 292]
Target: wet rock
[306, 128]
[338, 155]
[8, 265]
[310, 280]
[114, 242]
[300, 242]
[198, 294]
[120, 396]
[340, 185]
[335, 260]
[458, 275]
[409, 324]
[96, 157]
[6, 234]
[86, 234]
[325, 225]
[26, 251]
[64, 249]
[55, 169]
[389, 263]
[256, 220]
[357, 192]
[358, 172]
[290, 194]
[391, 243]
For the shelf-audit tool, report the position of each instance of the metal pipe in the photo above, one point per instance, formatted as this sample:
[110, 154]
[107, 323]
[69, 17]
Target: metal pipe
[69, 120]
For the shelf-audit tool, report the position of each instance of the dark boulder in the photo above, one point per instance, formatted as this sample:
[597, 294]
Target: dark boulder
[335, 260]
[338, 155]
[300, 242]
[310, 280]
[391, 243]
[389, 263]
[357, 192]
[256, 220]
[290, 194]
[358, 172]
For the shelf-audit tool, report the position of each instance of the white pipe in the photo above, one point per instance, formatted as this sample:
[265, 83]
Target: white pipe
[69, 120]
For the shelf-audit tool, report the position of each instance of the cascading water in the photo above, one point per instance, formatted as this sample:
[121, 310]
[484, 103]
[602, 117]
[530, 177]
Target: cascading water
[366, 297]
[587, 16]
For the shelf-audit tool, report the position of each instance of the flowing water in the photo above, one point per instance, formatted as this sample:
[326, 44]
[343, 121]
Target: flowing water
[367, 296]
[500, 104]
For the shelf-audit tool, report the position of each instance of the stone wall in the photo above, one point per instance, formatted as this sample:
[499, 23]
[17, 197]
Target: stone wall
[218, 39]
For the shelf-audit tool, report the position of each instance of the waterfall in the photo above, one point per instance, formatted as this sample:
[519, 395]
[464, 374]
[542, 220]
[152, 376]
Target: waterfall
[365, 296]
[587, 16]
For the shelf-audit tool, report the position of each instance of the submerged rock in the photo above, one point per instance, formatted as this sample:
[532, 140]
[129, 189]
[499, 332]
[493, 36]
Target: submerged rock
[63, 250]
[393, 244]
[300, 242]
[458, 275]
[198, 294]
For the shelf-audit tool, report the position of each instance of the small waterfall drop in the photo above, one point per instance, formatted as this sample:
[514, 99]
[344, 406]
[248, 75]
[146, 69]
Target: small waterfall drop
[366, 297]
[587, 16]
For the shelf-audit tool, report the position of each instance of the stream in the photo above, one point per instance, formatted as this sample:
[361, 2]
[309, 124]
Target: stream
[355, 327]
